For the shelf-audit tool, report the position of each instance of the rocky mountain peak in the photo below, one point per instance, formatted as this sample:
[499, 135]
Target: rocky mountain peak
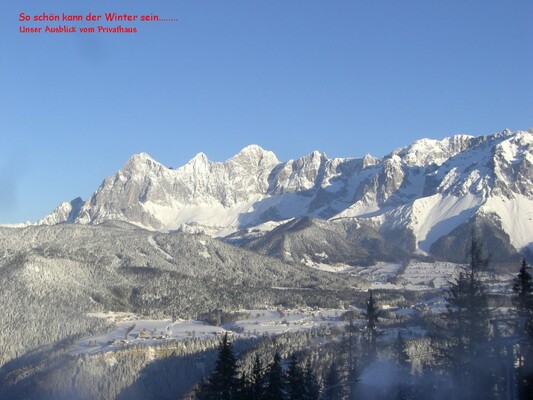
[140, 158]
[429, 187]
[139, 165]
[424, 152]
[254, 156]
[66, 212]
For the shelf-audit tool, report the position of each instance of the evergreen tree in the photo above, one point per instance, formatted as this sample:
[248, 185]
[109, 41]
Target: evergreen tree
[400, 352]
[242, 388]
[312, 388]
[222, 383]
[466, 350]
[333, 389]
[523, 302]
[257, 380]
[295, 380]
[371, 330]
[523, 296]
[352, 382]
[352, 334]
[275, 385]
[202, 392]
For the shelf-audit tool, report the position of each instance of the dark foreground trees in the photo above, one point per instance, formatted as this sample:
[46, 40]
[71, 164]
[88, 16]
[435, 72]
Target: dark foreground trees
[477, 354]
[371, 330]
[463, 341]
[523, 303]
[223, 382]
[523, 297]
[333, 387]
[270, 383]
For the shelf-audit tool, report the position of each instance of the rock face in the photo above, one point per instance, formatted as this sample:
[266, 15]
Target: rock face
[66, 212]
[417, 194]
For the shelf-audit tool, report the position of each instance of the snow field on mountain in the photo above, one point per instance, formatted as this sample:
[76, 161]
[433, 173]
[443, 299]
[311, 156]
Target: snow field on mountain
[434, 216]
[427, 189]
[339, 268]
[366, 207]
[173, 215]
[218, 220]
[516, 217]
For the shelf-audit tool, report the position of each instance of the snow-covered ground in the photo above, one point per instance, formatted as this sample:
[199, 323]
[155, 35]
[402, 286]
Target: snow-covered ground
[132, 329]
[378, 274]
[415, 276]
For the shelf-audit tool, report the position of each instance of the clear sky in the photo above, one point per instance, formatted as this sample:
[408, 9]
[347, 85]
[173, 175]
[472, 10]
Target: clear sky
[343, 77]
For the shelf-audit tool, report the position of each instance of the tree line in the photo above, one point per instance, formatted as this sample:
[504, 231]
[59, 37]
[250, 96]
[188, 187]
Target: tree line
[262, 382]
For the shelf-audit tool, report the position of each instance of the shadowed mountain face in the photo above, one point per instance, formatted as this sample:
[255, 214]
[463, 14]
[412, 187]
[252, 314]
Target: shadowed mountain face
[313, 242]
[416, 195]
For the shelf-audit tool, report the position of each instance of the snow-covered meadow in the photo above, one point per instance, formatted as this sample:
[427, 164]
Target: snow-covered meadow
[132, 329]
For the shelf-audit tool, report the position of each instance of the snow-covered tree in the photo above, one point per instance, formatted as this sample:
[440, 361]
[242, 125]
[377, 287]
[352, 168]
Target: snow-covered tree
[295, 380]
[312, 388]
[333, 386]
[223, 382]
[466, 350]
[275, 385]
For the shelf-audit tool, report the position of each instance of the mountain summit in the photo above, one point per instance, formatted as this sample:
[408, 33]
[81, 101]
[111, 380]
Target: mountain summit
[420, 194]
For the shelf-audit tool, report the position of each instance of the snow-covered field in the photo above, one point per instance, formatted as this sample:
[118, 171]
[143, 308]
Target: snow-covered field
[132, 329]
[415, 276]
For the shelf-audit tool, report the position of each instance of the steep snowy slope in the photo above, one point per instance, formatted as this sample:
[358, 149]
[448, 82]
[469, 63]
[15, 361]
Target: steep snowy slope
[415, 195]
[314, 242]
[493, 178]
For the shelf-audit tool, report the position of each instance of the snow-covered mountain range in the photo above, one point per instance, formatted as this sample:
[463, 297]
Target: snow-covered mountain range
[421, 196]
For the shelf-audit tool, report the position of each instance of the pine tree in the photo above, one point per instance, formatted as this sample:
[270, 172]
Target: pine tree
[203, 391]
[242, 389]
[371, 331]
[275, 386]
[312, 388]
[257, 380]
[222, 383]
[333, 389]
[352, 334]
[295, 380]
[523, 302]
[523, 296]
[467, 328]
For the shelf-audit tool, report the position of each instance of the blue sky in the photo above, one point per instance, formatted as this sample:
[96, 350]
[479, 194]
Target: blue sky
[343, 77]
